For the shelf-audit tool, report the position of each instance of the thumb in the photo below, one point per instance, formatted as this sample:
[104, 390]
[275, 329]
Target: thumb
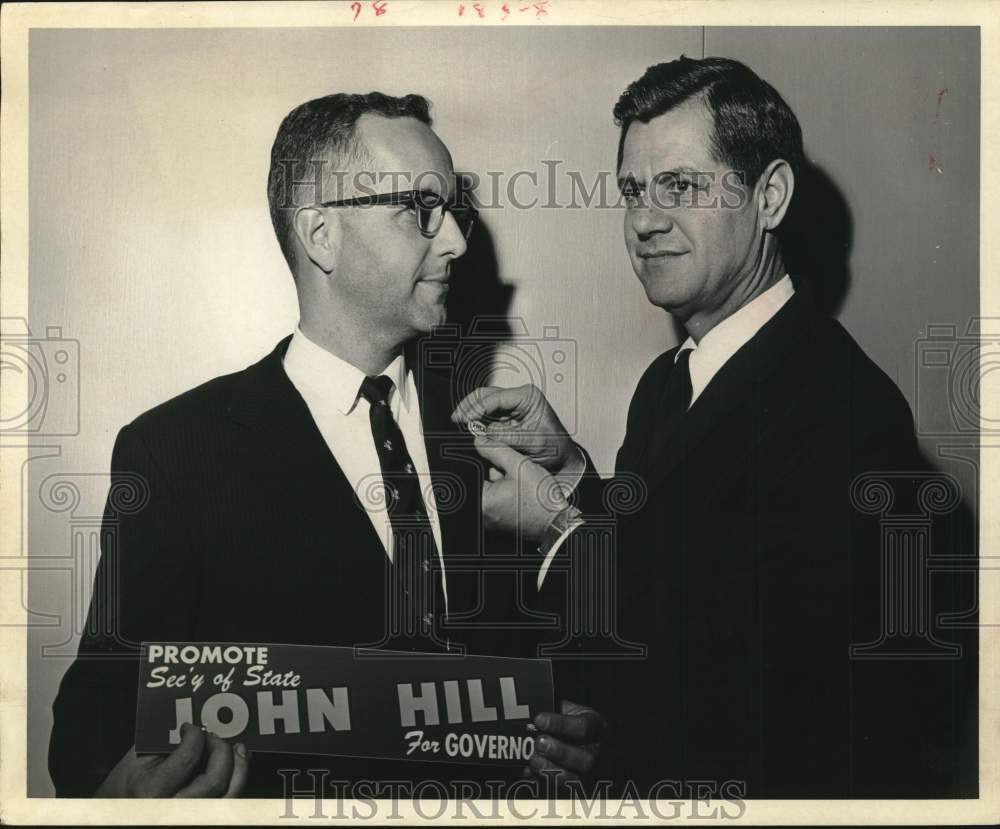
[499, 454]
[178, 766]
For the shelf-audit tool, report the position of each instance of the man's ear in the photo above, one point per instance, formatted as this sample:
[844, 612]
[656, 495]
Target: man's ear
[775, 188]
[318, 237]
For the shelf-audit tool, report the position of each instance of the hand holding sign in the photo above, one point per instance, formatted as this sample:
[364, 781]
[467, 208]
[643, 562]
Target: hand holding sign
[568, 744]
[173, 775]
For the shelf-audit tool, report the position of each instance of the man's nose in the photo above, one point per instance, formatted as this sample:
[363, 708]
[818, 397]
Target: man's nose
[648, 221]
[450, 241]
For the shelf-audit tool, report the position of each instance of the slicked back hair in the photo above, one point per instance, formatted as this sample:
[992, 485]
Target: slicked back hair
[323, 131]
[752, 124]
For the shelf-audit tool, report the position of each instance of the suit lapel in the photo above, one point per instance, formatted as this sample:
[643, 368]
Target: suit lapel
[267, 402]
[733, 387]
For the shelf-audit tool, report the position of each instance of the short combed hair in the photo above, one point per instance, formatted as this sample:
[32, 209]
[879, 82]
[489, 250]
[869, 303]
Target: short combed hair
[324, 130]
[753, 125]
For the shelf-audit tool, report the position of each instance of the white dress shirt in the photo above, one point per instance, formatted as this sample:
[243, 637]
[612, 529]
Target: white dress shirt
[730, 335]
[331, 389]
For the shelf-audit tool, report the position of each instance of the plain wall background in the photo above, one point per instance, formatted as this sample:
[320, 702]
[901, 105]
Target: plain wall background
[150, 241]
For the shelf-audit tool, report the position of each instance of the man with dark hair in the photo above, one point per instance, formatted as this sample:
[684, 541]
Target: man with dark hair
[292, 502]
[752, 124]
[746, 569]
[321, 134]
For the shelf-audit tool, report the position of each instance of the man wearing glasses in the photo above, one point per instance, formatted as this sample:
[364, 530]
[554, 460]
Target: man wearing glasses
[292, 501]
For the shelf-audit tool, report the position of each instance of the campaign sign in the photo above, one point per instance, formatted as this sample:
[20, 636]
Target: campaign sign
[324, 700]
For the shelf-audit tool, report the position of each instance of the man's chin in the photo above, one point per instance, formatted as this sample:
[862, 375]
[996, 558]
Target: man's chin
[661, 293]
[429, 318]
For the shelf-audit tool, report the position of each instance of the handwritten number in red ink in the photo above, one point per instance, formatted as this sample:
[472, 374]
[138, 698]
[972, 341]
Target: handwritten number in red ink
[356, 8]
[379, 7]
[479, 9]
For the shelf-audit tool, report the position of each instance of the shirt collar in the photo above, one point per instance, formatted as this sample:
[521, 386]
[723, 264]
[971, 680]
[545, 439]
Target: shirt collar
[334, 382]
[730, 335]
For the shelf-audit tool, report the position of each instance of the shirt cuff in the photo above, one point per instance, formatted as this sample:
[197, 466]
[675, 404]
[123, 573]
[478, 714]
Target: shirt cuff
[552, 539]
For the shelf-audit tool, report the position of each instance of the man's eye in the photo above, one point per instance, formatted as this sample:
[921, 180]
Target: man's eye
[678, 185]
[632, 197]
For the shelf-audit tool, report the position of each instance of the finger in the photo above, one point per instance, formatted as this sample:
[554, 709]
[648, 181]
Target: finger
[543, 767]
[517, 435]
[569, 707]
[515, 431]
[495, 496]
[575, 709]
[569, 757]
[584, 727]
[530, 439]
[214, 780]
[475, 404]
[492, 401]
[495, 474]
[500, 455]
[241, 771]
[180, 764]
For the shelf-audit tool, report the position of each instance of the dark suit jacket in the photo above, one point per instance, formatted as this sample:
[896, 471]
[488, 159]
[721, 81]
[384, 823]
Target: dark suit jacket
[251, 534]
[749, 574]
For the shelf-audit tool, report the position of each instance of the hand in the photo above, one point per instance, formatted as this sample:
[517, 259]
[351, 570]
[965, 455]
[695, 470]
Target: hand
[521, 496]
[523, 419]
[173, 775]
[568, 743]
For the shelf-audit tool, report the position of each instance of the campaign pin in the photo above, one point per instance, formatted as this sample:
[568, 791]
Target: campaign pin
[477, 428]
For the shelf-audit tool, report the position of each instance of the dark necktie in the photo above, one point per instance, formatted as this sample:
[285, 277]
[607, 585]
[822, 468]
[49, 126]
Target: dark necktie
[415, 599]
[668, 419]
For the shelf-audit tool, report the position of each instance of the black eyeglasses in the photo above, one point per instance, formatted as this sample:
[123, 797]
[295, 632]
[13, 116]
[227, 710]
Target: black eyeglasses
[429, 207]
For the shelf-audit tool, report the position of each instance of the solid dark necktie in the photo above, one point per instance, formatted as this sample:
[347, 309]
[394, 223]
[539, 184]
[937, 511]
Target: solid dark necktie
[415, 599]
[671, 410]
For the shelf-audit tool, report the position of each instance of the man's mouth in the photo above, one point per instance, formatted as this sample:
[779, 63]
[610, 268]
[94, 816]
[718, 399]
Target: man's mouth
[438, 284]
[660, 254]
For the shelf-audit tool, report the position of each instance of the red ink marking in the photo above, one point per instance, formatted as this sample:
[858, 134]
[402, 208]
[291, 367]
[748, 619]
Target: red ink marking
[356, 8]
[379, 7]
[479, 9]
[506, 11]
[941, 94]
[461, 9]
[540, 10]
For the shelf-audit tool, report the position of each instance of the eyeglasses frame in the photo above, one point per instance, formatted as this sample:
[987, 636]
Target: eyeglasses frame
[412, 198]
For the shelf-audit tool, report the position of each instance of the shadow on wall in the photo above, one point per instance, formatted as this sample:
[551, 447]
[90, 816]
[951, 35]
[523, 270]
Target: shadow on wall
[817, 236]
[479, 304]
[478, 297]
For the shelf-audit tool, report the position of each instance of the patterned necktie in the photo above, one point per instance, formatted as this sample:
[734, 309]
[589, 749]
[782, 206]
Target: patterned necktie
[672, 408]
[415, 598]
